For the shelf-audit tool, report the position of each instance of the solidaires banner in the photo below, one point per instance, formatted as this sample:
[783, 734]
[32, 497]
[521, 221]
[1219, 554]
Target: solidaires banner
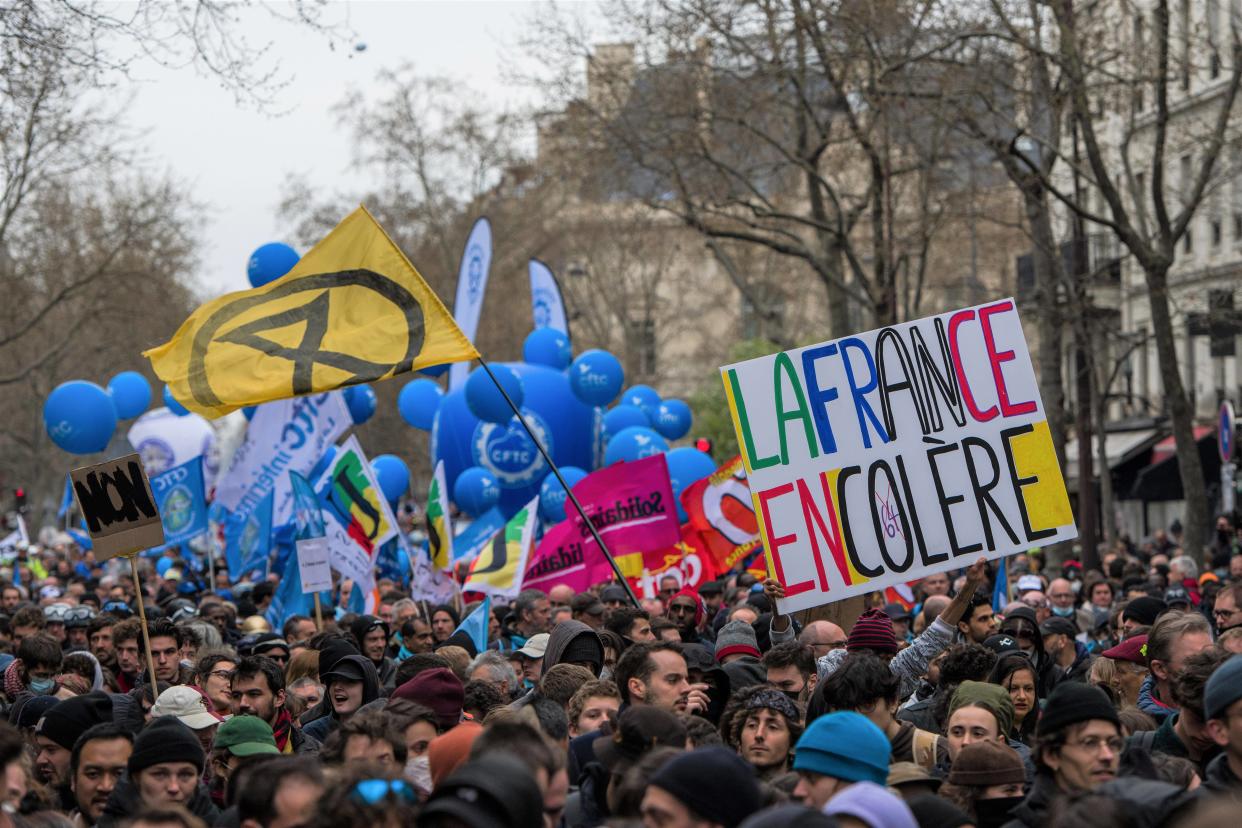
[883, 457]
[352, 310]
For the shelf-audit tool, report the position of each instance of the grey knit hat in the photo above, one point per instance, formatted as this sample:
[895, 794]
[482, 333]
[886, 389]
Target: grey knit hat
[736, 637]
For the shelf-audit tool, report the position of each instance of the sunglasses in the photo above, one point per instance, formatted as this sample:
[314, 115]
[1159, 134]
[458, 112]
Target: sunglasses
[371, 791]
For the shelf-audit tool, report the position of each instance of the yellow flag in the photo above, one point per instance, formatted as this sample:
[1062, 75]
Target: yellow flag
[353, 310]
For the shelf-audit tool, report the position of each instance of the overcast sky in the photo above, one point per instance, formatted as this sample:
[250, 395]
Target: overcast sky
[235, 159]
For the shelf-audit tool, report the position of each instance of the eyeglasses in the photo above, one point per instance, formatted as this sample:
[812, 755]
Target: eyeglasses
[1019, 632]
[1092, 744]
[1224, 613]
[371, 791]
[227, 675]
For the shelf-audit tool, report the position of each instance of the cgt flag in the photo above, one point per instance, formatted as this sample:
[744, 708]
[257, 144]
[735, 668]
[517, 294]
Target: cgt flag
[439, 522]
[499, 569]
[353, 310]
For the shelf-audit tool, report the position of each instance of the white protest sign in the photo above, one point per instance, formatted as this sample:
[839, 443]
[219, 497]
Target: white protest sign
[314, 564]
[887, 456]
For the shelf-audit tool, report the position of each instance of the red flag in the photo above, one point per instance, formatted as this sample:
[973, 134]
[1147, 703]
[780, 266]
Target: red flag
[721, 511]
[687, 560]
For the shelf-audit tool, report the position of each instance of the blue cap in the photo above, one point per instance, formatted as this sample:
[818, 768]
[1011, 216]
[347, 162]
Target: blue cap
[844, 745]
[1223, 688]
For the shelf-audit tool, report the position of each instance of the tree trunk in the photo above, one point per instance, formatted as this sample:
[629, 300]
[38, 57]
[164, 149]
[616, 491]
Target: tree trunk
[1048, 312]
[839, 324]
[1181, 414]
[1099, 408]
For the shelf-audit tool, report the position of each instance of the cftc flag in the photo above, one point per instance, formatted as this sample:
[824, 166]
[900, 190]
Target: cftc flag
[439, 522]
[353, 310]
[499, 569]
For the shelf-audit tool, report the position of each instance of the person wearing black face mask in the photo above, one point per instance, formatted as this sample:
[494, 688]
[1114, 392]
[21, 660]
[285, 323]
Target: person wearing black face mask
[1225, 544]
[987, 780]
[790, 668]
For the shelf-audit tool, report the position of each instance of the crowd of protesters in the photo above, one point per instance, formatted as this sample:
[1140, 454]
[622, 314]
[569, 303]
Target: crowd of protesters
[1104, 698]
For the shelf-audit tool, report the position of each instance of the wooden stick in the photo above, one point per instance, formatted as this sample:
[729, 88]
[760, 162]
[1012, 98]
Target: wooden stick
[318, 614]
[146, 636]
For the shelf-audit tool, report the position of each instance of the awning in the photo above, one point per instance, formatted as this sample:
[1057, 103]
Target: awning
[1119, 447]
[1162, 481]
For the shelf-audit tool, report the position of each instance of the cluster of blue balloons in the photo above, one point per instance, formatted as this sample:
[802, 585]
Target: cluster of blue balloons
[80, 417]
[491, 462]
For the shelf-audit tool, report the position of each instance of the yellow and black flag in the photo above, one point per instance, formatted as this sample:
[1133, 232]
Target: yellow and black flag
[353, 310]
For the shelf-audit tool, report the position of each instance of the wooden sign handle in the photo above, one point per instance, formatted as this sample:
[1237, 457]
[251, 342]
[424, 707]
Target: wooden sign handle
[146, 635]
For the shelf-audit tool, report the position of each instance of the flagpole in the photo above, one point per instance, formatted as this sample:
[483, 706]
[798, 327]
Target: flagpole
[564, 484]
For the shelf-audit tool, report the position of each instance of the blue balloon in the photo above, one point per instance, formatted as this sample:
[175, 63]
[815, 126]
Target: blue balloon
[634, 443]
[475, 491]
[645, 397]
[392, 474]
[79, 417]
[249, 410]
[596, 377]
[552, 495]
[685, 466]
[673, 419]
[269, 262]
[622, 417]
[171, 402]
[131, 394]
[484, 398]
[547, 346]
[568, 430]
[361, 402]
[418, 401]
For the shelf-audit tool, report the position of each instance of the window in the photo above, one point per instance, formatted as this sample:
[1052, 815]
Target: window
[1188, 240]
[1216, 231]
[1140, 62]
[1187, 182]
[644, 340]
[1211, 14]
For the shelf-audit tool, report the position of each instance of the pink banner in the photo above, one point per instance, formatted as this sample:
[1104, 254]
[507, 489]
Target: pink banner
[632, 508]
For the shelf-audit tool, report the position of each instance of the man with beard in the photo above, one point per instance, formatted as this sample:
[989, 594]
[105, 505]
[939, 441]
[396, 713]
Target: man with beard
[978, 623]
[687, 611]
[1079, 750]
[258, 689]
[372, 634]
[96, 765]
[765, 729]
[99, 637]
[57, 731]
[1227, 612]
[127, 642]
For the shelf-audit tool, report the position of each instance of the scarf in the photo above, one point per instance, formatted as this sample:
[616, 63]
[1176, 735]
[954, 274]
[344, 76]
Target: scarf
[13, 685]
[282, 731]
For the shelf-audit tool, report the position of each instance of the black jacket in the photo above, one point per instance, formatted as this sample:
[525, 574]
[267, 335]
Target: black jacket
[320, 728]
[1220, 778]
[125, 803]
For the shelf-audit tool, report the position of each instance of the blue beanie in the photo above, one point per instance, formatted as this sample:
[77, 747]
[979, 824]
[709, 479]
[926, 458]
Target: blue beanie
[1223, 688]
[844, 745]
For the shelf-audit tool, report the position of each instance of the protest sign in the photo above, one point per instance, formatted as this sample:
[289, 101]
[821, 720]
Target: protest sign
[313, 565]
[118, 507]
[283, 436]
[181, 502]
[631, 506]
[884, 457]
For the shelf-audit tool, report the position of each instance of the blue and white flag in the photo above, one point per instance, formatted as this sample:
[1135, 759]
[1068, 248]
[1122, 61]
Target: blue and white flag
[476, 261]
[248, 539]
[474, 538]
[283, 436]
[308, 523]
[476, 623]
[393, 562]
[181, 500]
[1000, 592]
[545, 298]
[66, 499]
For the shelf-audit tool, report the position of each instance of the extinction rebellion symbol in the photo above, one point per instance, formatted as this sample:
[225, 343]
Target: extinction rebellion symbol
[314, 314]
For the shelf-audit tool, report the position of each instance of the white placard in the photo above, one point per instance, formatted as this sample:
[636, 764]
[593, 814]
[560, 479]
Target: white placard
[313, 562]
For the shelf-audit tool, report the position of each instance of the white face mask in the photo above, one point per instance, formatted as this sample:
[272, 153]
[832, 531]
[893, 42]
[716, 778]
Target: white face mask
[418, 773]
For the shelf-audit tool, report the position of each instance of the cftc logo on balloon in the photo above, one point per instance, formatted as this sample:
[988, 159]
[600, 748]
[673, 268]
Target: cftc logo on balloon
[507, 451]
[178, 509]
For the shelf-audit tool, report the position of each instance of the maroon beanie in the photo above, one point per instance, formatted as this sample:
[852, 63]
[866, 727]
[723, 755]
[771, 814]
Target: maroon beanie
[439, 689]
[872, 631]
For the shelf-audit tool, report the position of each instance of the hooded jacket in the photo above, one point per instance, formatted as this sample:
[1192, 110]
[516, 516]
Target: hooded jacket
[1151, 803]
[332, 651]
[565, 633]
[1045, 668]
[321, 727]
[386, 668]
[125, 802]
[719, 684]
[1149, 704]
